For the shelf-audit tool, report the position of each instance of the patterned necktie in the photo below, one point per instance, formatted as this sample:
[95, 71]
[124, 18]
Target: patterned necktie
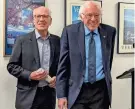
[92, 60]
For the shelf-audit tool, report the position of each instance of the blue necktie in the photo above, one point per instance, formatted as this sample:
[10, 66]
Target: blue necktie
[92, 60]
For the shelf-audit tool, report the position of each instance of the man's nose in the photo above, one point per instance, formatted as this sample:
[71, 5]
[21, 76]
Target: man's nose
[42, 18]
[92, 17]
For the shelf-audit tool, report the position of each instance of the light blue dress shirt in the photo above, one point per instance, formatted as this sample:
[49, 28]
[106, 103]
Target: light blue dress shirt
[99, 63]
[44, 60]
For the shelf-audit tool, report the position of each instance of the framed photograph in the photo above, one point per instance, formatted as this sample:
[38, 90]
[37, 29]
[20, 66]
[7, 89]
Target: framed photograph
[126, 28]
[18, 20]
[72, 10]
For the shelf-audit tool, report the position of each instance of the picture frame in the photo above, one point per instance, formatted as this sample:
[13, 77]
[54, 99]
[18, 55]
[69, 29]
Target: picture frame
[126, 27]
[18, 20]
[72, 10]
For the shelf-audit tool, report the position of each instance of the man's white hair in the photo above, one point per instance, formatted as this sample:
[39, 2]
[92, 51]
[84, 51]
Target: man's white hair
[87, 5]
[42, 7]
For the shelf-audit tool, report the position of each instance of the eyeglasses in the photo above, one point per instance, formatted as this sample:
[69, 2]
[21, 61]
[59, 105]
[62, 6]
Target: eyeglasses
[43, 16]
[89, 16]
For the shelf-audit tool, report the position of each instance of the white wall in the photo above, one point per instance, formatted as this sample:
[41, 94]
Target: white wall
[121, 88]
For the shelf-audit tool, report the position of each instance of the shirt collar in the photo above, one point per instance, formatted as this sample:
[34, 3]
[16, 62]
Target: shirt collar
[87, 31]
[39, 36]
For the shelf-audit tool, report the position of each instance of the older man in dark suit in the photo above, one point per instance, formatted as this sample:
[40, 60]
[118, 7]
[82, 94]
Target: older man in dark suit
[34, 58]
[83, 78]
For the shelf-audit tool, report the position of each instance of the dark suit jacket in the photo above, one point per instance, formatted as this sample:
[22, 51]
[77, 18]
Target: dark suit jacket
[25, 59]
[71, 68]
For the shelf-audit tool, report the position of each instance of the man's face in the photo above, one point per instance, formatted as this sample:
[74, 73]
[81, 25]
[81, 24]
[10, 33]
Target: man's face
[91, 17]
[42, 20]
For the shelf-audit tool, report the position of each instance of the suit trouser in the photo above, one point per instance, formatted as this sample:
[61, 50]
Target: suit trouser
[93, 96]
[45, 98]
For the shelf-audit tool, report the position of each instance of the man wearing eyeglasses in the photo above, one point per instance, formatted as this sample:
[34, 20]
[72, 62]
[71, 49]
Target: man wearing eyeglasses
[34, 63]
[83, 79]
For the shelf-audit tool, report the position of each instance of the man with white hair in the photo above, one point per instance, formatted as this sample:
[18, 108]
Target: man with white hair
[34, 62]
[83, 79]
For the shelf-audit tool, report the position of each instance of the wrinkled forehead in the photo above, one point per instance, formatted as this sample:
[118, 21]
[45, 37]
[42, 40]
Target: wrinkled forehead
[41, 11]
[92, 8]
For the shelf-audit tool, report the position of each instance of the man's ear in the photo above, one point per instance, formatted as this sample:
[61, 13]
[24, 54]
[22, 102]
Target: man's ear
[81, 17]
[50, 21]
[33, 22]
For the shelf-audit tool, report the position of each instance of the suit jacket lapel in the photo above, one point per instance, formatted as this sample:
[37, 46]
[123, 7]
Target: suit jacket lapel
[103, 35]
[52, 49]
[35, 48]
[81, 41]
[36, 51]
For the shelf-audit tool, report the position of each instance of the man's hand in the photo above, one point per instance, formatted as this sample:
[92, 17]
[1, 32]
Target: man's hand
[39, 74]
[52, 82]
[62, 103]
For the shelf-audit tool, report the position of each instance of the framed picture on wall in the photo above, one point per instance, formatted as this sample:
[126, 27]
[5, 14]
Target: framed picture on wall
[126, 28]
[18, 20]
[72, 10]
